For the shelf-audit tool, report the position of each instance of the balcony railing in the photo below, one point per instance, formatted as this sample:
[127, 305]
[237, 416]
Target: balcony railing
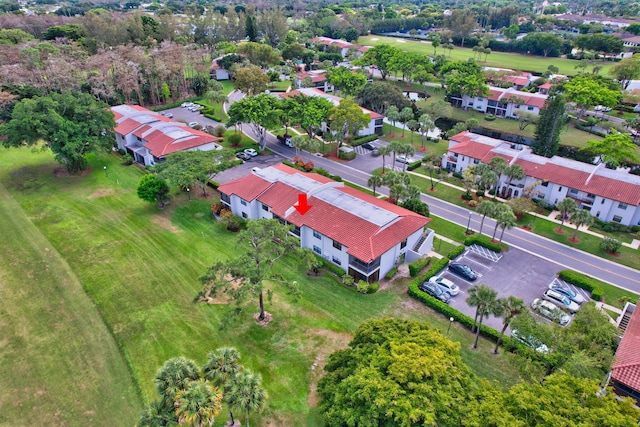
[363, 267]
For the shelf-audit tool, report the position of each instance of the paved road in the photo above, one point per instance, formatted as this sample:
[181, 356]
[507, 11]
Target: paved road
[557, 253]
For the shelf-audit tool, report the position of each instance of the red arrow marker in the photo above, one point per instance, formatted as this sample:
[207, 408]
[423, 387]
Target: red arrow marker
[302, 207]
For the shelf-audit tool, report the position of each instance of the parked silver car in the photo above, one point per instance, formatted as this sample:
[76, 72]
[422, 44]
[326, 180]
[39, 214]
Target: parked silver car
[561, 300]
[549, 310]
[563, 289]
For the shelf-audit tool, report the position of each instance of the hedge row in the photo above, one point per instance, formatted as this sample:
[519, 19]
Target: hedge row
[415, 165]
[364, 139]
[331, 266]
[214, 118]
[455, 252]
[583, 281]
[435, 268]
[483, 241]
[391, 273]
[415, 267]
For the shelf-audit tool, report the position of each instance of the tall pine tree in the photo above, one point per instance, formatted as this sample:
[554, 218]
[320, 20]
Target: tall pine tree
[552, 119]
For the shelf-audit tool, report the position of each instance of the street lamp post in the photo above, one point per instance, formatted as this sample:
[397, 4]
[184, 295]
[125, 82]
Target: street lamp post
[451, 319]
[105, 172]
[468, 231]
[189, 193]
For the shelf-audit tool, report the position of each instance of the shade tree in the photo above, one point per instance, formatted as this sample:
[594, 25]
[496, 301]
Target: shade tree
[615, 149]
[259, 112]
[153, 189]
[185, 168]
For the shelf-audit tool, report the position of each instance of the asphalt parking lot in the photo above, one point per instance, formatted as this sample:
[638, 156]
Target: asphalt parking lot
[367, 162]
[516, 273]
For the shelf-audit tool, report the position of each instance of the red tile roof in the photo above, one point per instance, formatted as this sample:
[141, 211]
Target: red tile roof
[364, 240]
[626, 368]
[312, 91]
[590, 181]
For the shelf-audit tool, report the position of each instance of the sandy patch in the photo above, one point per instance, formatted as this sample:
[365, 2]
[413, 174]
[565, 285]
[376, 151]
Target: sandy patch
[165, 223]
[400, 41]
[374, 39]
[102, 192]
[326, 343]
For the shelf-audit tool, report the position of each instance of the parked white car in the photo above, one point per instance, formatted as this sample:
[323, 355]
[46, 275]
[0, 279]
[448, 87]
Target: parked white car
[193, 124]
[404, 159]
[530, 342]
[251, 152]
[446, 284]
[550, 311]
[561, 300]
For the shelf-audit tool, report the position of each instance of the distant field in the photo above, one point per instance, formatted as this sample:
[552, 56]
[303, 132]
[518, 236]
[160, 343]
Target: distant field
[537, 64]
[84, 250]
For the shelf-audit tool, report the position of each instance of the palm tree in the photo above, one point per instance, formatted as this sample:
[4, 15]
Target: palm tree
[393, 115]
[198, 404]
[581, 217]
[514, 172]
[405, 115]
[566, 207]
[374, 182]
[484, 299]
[384, 152]
[498, 212]
[511, 307]
[221, 367]
[157, 413]
[408, 151]
[413, 126]
[425, 124]
[216, 97]
[174, 376]
[485, 208]
[245, 393]
[395, 148]
[298, 142]
[506, 220]
[498, 166]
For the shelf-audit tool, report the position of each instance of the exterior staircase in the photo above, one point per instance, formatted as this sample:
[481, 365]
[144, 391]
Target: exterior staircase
[420, 241]
[624, 322]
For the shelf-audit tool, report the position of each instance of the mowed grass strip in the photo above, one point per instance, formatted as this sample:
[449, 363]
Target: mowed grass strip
[59, 365]
[514, 61]
[140, 266]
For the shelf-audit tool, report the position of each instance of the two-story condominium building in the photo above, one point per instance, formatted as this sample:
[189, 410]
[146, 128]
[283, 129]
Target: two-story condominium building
[375, 124]
[502, 102]
[149, 136]
[318, 80]
[610, 195]
[363, 235]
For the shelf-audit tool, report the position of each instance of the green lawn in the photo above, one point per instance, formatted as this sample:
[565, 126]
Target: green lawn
[136, 269]
[495, 59]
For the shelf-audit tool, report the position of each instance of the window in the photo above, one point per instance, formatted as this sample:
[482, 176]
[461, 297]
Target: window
[573, 191]
[337, 245]
[545, 184]
[559, 188]
[316, 235]
[317, 250]
[225, 198]
[622, 206]
[244, 214]
[617, 218]
[403, 244]
[591, 196]
[530, 108]
[243, 202]
[602, 202]
[265, 207]
[336, 261]
[476, 161]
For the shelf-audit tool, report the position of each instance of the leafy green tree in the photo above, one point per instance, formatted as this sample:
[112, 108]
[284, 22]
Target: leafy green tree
[260, 112]
[70, 125]
[438, 109]
[615, 149]
[462, 22]
[301, 142]
[566, 206]
[551, 121]
[558, 401]
[309, 112]
[511, 32]
[156, 413]
[405, 116]
[198, 404]
[375, 181]
[511, 307]
[260, 246]
[346, 81]
[245, 392]
[379, 96]
[393, 115]
[464, 78]
[216, 97]
[152, 188]
[485, 208]
[390, 365]
[588, 91]
[425, 126]
[347, 119]
[184, 168]
[380, 56]
[250, 80]
[485, 300]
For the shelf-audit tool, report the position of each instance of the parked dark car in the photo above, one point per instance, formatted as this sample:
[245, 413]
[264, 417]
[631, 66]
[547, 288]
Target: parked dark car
[435, 291]
[244, 156]
[463, 270]
[368, 146]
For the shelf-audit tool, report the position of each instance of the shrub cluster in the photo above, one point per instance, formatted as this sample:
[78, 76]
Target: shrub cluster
[610, 245]
[415, 165]
[483, 241]
[489, 117]
[330, 266]
[415, 267]
[367, 288]
[435, 268]
[391, 273]
[347, 156]
[455, 252]
[583, 281]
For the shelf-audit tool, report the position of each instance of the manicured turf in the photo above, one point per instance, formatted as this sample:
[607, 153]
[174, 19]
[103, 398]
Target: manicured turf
[139, 267]
[514, 61]
[59, 364]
